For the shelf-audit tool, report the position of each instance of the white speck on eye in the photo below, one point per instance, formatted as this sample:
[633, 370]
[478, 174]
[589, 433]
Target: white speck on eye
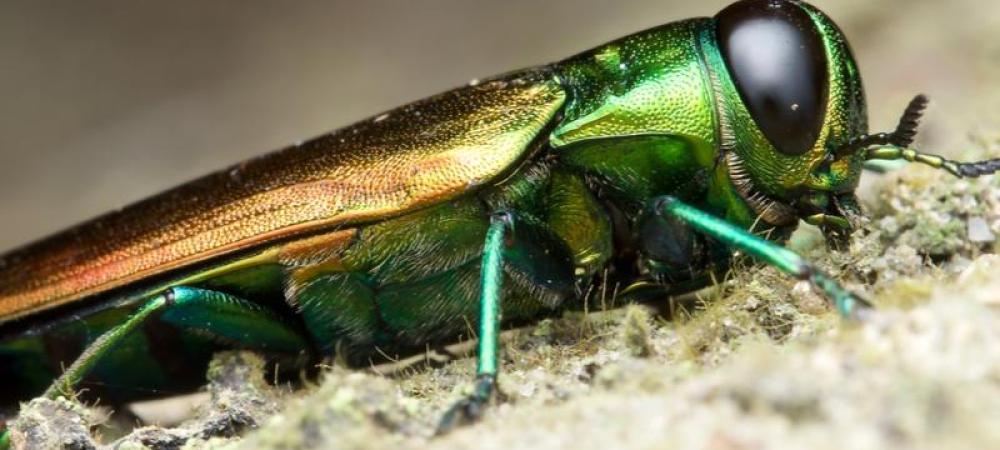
[380, 118]
[474, 82]
[622, 66]
[795, 106]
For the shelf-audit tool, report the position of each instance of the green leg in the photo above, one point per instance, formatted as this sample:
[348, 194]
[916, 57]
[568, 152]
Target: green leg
[846, 302]
[213, 312]
[470, 408]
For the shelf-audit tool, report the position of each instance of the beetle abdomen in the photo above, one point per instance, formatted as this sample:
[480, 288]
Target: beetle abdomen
[414, 279]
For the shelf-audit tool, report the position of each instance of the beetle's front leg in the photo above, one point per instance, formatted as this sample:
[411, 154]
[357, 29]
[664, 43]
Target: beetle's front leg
[491, 278]
[846, 302]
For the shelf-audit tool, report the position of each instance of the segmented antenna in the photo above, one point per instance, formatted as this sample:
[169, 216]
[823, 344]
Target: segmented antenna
[897, 146]
[902, 137]
[959, 169]
[907, 128]
[975, 169]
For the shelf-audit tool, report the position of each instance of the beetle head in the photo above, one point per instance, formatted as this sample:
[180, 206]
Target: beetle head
[789, 95]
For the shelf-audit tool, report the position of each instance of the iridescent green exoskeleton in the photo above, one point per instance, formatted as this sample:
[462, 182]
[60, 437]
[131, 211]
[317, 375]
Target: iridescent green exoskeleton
[650, 159]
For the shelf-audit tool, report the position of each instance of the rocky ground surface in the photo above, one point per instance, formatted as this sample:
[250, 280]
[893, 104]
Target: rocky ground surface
[758, 362]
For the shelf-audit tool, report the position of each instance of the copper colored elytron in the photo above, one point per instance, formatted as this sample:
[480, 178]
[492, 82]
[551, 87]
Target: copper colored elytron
[419, 155]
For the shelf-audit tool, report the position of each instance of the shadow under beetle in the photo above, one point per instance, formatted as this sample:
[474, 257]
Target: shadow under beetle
[648, 158]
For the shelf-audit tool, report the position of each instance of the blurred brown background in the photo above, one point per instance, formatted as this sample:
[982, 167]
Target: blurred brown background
[103, 103]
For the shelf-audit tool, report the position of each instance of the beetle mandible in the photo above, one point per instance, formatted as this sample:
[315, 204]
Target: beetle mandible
[648, 158]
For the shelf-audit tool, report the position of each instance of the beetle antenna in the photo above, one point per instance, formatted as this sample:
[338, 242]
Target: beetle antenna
[906, 130]
[894, 146]
[958, 169]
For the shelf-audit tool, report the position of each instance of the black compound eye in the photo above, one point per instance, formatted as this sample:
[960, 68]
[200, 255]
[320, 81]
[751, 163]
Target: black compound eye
[777, 60]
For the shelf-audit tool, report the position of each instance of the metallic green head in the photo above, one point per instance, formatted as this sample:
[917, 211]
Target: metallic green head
[763, 94]
[790, 96]
[765, 97]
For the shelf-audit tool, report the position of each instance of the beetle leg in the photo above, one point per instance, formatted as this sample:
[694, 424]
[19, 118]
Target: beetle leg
[847, 303]
[213, 312]
[233, 319]
[470, 408]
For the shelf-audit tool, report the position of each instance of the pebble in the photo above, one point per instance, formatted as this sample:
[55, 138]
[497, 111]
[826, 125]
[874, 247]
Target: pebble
[979, 230]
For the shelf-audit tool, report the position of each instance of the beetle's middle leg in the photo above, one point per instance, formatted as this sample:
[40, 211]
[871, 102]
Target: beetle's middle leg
[212, 312]
[527, 251]
[845, 301]
[491, 279]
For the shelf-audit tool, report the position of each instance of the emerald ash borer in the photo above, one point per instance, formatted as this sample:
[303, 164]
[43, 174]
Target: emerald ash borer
[645, 162]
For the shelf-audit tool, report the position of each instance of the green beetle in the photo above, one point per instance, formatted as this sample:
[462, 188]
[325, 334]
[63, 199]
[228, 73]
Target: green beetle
[648, 158]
